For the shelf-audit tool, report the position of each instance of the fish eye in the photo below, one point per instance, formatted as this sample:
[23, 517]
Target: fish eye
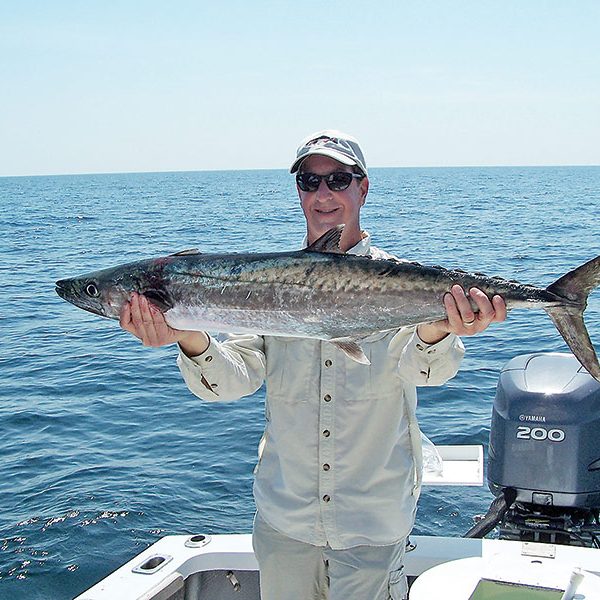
[92, 290]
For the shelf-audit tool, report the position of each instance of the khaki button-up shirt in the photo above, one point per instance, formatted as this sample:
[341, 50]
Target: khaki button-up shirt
[340, 459]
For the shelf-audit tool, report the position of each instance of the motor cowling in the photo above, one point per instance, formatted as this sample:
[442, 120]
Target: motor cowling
[545, 432]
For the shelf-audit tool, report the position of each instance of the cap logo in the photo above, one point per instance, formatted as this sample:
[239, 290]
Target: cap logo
[322, 141]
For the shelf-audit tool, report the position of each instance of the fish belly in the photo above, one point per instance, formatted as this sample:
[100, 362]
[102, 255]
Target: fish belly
[260, 322]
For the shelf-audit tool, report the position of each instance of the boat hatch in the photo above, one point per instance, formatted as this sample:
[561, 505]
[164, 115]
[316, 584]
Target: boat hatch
[152, 564]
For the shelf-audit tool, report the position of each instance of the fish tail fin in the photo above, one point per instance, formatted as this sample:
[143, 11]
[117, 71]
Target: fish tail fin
[571, 326]
[575, 287]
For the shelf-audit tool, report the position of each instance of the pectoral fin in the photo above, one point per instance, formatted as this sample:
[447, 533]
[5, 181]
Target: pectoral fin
[351, 349]
[159, 298]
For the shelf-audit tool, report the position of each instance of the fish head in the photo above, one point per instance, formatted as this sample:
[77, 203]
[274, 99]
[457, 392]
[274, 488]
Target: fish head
[105, 292]
[95, 293]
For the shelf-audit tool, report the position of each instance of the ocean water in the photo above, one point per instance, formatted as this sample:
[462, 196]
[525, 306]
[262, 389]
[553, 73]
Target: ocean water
[102, 448]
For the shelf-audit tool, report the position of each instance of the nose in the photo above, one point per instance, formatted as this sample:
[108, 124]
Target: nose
[323, 192]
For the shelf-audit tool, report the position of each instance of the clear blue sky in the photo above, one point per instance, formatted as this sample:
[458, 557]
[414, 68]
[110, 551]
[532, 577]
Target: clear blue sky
[109, 86]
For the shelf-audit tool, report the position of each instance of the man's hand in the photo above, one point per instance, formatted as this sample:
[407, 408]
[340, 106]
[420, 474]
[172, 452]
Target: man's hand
[146, 322]
[462, 320]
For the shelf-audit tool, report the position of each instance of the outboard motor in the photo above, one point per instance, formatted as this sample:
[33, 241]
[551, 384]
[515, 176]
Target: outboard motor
[544, 453]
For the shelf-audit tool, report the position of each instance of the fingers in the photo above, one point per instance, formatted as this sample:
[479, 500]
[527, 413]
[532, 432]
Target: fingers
[463, 319]
[143, 318]
[145, 321]
[125, 318]
[499, 308]
[455, 319]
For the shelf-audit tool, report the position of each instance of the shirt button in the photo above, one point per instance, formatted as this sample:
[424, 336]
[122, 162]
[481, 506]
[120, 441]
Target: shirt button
[420, 347]
[328, 363]
[208, 358]
[327, 398]
[326, 467]
[326, 498]
[326, 433]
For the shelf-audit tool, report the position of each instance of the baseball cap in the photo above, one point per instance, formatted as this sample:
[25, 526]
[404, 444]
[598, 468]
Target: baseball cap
[337, 145]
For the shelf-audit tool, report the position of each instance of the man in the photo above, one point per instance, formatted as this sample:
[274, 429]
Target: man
[340, 462]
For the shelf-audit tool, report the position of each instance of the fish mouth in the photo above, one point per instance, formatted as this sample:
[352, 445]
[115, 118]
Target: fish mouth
[64, 288]
[60, 287]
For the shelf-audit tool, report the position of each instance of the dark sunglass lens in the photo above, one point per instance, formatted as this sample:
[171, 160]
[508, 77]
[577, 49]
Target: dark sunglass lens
[301, 181]
[308, 182]
[339, 181]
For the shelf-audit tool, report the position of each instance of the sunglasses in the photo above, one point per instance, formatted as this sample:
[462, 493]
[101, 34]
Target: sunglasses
[336, 181]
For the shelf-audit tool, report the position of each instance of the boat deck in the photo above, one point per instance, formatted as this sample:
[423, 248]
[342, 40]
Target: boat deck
[223, 567]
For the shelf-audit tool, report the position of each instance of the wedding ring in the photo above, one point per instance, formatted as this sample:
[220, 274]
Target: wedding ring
[469, 324]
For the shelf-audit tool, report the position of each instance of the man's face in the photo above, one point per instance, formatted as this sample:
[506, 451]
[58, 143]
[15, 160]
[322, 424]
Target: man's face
[324, 208]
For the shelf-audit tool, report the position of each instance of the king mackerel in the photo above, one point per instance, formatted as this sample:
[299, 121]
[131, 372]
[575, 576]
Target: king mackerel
[320, 293]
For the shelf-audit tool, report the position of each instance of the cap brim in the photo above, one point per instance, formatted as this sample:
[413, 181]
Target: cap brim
[329, 152]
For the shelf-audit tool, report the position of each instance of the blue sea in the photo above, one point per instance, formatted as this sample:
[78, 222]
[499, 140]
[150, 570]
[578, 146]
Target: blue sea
[103, 450]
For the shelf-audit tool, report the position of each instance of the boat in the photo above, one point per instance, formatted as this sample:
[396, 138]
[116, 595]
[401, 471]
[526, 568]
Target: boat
[543, 468]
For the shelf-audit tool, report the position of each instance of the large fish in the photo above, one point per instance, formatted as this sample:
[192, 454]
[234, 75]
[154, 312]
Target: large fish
[319, 293]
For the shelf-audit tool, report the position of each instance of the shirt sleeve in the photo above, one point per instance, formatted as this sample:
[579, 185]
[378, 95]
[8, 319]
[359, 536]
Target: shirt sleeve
[421, 363]
[226, 370]
[428, 364]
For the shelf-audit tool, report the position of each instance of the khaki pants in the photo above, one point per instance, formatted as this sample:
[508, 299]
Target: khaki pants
[292, 570]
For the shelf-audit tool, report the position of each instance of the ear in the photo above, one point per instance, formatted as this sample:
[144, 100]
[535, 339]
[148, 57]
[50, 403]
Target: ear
[364, 188]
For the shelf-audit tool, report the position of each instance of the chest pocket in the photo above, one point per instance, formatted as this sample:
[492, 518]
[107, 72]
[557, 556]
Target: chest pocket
[367, 383]
[292, 368]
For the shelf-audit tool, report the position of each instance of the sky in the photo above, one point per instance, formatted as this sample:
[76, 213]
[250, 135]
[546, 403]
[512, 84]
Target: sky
[124, 86]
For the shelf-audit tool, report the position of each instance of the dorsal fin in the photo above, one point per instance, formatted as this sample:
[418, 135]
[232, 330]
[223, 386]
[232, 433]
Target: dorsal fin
[328, 242]
[187, 252]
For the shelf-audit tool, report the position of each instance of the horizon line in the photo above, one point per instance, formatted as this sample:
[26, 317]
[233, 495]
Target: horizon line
[158, 172]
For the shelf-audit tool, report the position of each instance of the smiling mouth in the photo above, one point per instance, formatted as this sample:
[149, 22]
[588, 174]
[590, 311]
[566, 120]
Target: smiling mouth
[323, 211]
